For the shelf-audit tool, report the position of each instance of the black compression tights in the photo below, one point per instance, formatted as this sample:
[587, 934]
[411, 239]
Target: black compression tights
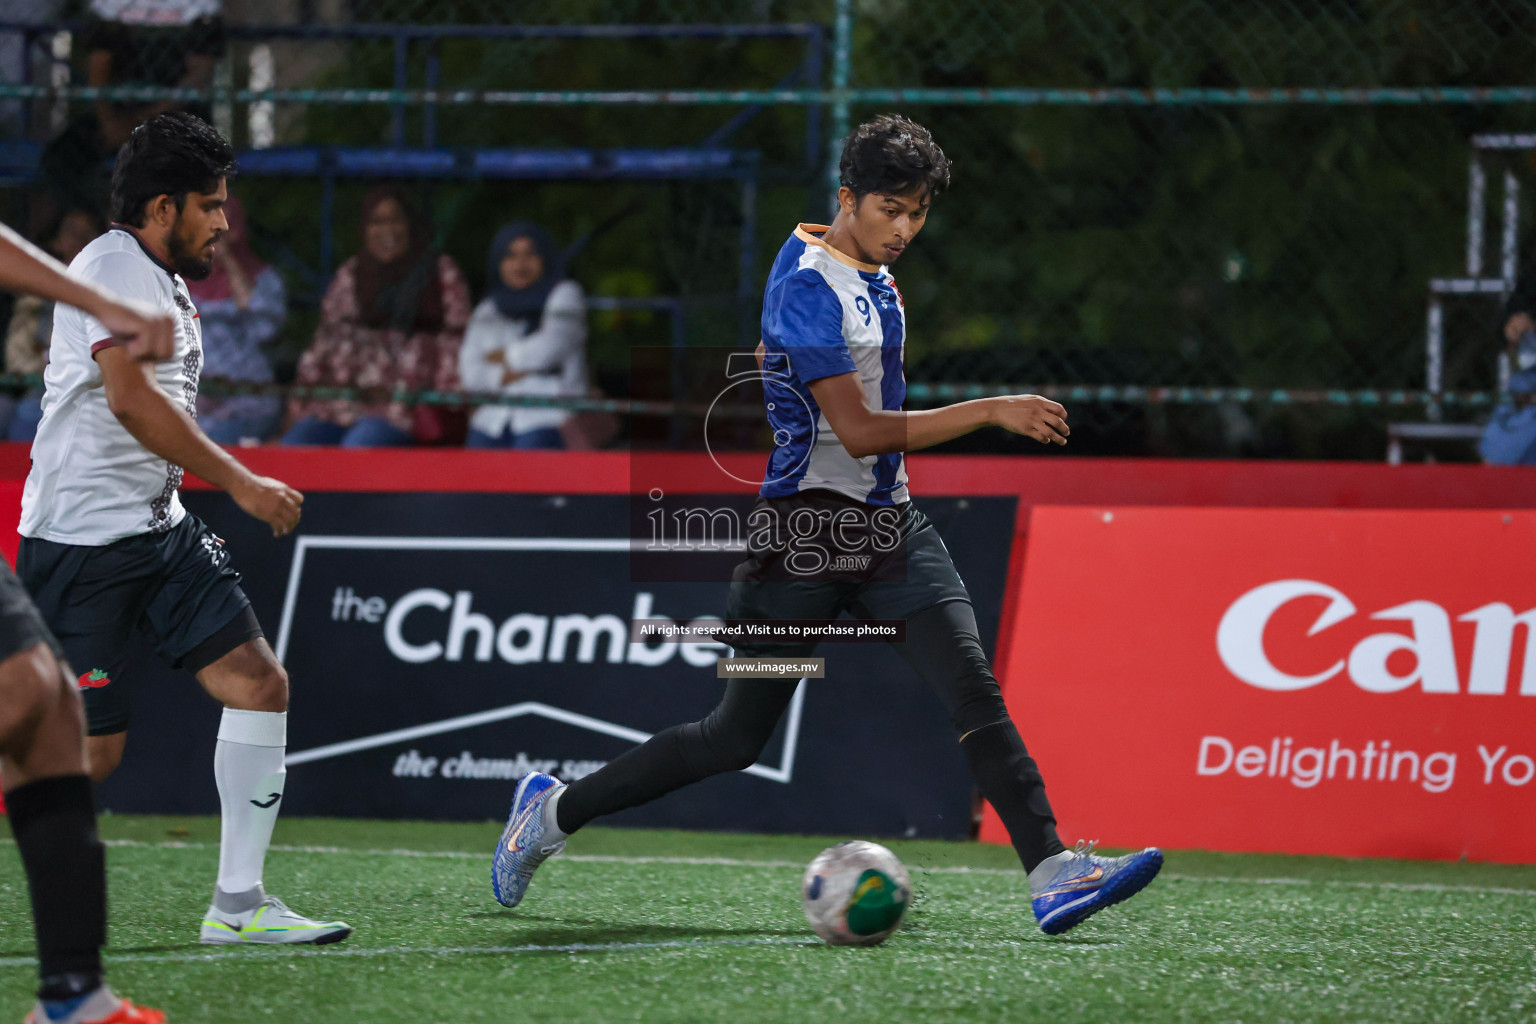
[942, 645]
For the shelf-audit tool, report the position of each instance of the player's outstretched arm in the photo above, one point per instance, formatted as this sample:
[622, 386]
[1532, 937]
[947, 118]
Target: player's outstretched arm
[147, 333]
[165, 429]
[865, 431]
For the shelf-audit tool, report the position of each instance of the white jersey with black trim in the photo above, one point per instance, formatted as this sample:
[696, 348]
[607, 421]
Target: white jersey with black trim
[91, 482]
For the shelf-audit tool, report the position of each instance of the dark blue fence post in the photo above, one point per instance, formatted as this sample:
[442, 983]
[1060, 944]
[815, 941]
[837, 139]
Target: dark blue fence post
[746, 286]
[429, 114]
[402, 54]
[815, 63]
[327, 222]
[677, 426]
[28, 40]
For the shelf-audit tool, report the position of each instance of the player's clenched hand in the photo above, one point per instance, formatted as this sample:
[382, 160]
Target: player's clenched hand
[1032, 416]
[147, 334]
[271, 501]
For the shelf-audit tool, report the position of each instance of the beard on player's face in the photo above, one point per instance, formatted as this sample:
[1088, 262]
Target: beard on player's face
[190, 259]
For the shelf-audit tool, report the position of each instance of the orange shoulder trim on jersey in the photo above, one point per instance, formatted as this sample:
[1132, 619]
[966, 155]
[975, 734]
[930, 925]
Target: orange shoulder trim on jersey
[809, 234]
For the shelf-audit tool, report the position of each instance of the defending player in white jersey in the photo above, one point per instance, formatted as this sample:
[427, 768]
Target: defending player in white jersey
[834, 330]
[107, 549]
[42, 736]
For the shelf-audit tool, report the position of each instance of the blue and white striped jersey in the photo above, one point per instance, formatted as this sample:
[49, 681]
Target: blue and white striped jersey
[825, 314]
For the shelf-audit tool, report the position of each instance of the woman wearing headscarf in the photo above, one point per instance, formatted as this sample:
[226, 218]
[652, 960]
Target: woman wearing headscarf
[392, 320]
[528, 337]
[242, 305]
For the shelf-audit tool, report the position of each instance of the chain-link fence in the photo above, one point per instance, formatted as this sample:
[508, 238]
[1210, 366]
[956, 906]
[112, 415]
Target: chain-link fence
[1211, 227]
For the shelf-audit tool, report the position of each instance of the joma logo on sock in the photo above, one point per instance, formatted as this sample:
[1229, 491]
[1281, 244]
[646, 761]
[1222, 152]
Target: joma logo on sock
[272, 798]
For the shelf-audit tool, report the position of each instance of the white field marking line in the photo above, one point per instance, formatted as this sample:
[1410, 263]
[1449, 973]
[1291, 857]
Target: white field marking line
[328, 953]
[737, 862]
[666, 945]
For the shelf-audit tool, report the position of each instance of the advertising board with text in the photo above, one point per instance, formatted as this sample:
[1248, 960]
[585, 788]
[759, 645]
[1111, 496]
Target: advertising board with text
[443, 645]
[1359, 683]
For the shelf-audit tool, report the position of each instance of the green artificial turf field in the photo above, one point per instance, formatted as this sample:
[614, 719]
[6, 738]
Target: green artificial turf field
[655, 926]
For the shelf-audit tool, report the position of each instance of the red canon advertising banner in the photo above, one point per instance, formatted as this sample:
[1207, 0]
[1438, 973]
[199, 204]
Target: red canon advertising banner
[1359, 683]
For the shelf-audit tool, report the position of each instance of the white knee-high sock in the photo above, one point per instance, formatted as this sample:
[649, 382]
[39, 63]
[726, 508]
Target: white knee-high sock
[248, 767]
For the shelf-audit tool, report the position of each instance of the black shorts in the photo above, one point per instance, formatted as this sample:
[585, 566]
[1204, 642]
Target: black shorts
[818, 574]
[21, 627]
[174, 591]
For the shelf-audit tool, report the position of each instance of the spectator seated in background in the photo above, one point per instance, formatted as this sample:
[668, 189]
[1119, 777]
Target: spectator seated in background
[528, 337]
[241, 306]
[393, 319]
[1510, 437]
[171, 43]
[31, 327]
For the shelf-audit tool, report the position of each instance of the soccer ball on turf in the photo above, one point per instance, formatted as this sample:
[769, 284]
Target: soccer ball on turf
[854, 893]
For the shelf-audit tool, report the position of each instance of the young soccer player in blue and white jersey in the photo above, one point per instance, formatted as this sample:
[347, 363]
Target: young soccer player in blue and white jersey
[831, 354]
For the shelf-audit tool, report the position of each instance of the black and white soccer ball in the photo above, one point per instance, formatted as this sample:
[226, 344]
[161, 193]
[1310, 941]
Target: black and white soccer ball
[855, 893]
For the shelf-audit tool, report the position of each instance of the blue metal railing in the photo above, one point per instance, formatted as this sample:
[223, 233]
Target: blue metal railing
[401, 159]
[807, 74]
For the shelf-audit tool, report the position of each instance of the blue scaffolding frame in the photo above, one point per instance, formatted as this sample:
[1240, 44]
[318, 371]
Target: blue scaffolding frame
[712, 159]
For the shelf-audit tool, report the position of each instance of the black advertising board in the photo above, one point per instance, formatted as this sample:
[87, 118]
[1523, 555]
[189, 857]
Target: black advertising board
[442, 645]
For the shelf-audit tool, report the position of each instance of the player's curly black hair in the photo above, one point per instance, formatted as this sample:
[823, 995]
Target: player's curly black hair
[170, 154]
[893, 155]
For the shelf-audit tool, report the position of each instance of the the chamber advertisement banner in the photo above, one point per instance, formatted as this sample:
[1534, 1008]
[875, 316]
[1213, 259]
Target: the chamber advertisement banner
[443, 645]
[1360, 683]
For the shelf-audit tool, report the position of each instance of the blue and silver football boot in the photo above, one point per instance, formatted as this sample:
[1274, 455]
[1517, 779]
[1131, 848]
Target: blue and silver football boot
[526, 842]
[1084, 884]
